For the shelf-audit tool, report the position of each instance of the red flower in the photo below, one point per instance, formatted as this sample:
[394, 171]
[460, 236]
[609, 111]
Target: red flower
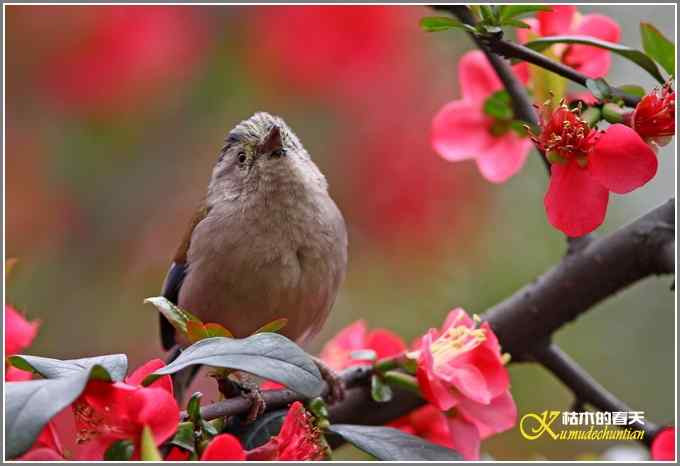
[19, 332]
[126, 53]
[298, 440]
[47, 446]
[663, 445]
[461, 130]
[224, 447]
[587, 164]
[461, 367]
[565, 20]
[337, 353]
[107, 412]
[427, 422]
[654, 116]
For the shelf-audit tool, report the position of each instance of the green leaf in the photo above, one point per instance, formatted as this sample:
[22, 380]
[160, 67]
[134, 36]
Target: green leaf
[217, 330]
[267, 355]
[30, 405]
[184, 437]
[273, 326]
[148, 446]
[442, 23]
[380, 391]
[194, 407]
[512, 11]
[389, 444]
[120, 450]
[516, 23]
[599, 88]
[657, 46]
[497, 105]
[176, 316]
[364, 355]
[633, 89]
[636, 56]
[488, 14]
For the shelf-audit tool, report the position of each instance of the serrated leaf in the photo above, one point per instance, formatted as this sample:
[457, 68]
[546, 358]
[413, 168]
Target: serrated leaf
[512, 11]
[441, 23]
[149, 451]
[636, 56]
[380, 391]
[599, 88]
[389, 444]
[498, 105]
[176, 316]
[120, 450]
[364, 355]
[184, 437]
[30, 405]
[657, 46]
[267, 355]
[114, 365]
[273, 326]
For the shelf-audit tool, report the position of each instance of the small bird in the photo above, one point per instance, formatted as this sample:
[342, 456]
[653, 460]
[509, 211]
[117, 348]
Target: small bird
[267, 242]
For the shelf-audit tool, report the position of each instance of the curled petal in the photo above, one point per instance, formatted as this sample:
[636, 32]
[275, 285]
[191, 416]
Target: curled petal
[503, 158]
[621, 160]
[460, 131]
[478, 80]
[556, 22]
[458, 316]
[487, 360]
[150, 367]
[575, 202]
[497, 416]
[431, 386]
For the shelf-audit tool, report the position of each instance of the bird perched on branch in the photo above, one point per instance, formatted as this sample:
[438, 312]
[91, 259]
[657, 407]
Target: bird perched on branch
[267, 243]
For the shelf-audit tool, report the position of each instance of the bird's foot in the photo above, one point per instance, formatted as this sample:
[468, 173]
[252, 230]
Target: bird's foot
[240, 384]
[257, 403]
[336, 386]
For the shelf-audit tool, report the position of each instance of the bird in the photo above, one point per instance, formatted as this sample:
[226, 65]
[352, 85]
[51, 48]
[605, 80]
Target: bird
[267, 242]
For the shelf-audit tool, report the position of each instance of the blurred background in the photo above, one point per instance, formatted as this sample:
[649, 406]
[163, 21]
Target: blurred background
[115, 116]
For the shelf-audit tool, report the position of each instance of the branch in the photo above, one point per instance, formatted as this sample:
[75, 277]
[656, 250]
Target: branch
[526, 320]
[585, 388]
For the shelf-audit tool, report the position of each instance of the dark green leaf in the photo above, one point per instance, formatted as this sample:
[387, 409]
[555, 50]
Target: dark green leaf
[267, 355]
[318, 407]
[184, 437]
[599, 88]
[30, 405]
[380, 391]
[497, 105]
[633, 89]
[259, 432]
[636, 56]
[512, 11]
[441, 23]
[657, 46]
[389, 444]
[115, 366]
[176, 316]
[120, 450]
[364, 355]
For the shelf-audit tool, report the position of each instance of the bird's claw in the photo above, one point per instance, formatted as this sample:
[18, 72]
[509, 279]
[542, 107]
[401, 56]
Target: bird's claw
[336, 386]
[257, 403]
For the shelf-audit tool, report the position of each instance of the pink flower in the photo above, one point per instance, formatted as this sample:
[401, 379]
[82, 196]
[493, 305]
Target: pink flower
[565, 20]
[106, 412]
[460, 368]
[663, 445]
[337, 353]
[46, 447]
[298, 440]
[586, 165]
[461, 130]
[654, 117]
[19, 332]
[427, 422]
[223, 447]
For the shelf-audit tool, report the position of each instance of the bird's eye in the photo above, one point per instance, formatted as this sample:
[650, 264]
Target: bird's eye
[241, 157]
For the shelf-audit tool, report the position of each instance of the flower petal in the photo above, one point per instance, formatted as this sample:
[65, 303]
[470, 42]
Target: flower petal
[458, 316]
[621, 160]
[487, 360]
[385, 343]
[575, 202]
[460, 131]
[663, 445]
[592, 61]
[464, 437]
[432, 388]
[19, 332]
[478, 80]
[468, 379]
[556, 22]
[503, 158]
[493, 418]
[336, 352]
[141, 372]
[224, 447]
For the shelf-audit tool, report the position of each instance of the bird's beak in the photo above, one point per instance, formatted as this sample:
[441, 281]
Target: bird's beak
[272, 143]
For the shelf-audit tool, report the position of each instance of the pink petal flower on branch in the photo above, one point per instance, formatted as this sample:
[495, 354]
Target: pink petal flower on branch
[654, 117]
[663, 445]
[587, 165]
[107, 412]
[19, 332]
[427, 422]
[461, 130]
[337, 353]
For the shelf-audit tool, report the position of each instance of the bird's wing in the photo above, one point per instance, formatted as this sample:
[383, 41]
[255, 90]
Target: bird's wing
[175, 278]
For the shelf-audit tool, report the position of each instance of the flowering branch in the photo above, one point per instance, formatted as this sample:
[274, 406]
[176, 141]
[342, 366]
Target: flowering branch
[525, 321]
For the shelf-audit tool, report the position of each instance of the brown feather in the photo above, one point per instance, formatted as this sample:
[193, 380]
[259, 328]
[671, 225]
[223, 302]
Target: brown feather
[181, 253]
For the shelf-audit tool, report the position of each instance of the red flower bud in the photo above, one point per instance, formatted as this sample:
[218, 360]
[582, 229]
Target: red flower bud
[654, 116]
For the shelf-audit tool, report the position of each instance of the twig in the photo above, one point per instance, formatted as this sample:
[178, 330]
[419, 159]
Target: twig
[585, 388]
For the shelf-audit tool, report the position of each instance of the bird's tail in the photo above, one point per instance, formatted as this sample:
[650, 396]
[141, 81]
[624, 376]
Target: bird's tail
[181, 380]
